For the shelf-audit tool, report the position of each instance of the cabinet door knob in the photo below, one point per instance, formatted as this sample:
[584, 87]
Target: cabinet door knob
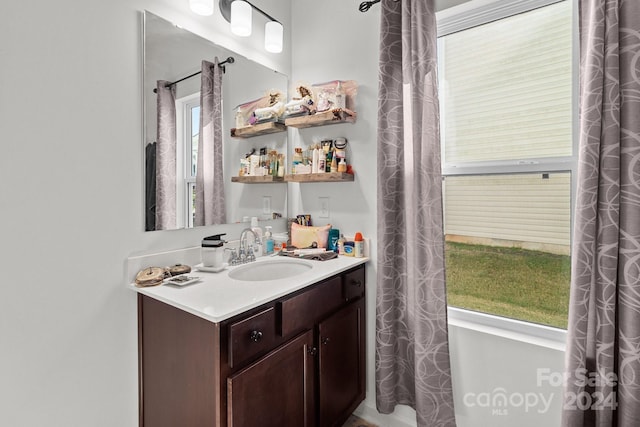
[325, 340]
[312, 351]
[255, 336]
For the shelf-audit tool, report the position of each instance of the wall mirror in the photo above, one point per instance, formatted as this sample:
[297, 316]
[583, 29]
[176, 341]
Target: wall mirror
[172, 53]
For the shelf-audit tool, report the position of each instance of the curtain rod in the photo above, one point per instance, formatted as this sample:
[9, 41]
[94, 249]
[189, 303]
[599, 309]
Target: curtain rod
[366, 5]
[229, 60]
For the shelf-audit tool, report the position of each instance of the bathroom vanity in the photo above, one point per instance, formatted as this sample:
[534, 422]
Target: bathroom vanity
[272, 353]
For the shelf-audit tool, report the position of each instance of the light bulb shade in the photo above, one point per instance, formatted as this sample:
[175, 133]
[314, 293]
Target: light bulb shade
[273, 33]
[202, 7]
[241, 18]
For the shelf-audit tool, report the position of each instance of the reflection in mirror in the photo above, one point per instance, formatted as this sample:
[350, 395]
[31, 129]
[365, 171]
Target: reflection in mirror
[174, 55]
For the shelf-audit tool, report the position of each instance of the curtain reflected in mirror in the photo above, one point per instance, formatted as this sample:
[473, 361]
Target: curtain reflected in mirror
[163, 202]
[190, 156]
[210, 206]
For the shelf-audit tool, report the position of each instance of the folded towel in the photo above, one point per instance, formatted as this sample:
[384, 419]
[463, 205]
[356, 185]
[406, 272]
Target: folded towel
[323, 256]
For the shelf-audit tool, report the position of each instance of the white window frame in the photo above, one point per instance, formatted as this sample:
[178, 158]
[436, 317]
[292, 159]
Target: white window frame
[466, 16]
[184, 179]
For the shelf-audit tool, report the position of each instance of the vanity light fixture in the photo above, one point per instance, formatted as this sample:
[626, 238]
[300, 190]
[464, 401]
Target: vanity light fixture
[273, 33]
[202, 7]
[241, 18]
[238, 14]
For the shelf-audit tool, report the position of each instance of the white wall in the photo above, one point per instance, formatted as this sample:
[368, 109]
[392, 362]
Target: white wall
[71, 198]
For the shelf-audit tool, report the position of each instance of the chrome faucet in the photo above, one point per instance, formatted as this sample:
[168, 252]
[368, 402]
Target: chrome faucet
[246, 252]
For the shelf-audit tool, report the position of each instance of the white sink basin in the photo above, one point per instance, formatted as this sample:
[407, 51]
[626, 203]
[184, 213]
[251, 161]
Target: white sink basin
[272, 269]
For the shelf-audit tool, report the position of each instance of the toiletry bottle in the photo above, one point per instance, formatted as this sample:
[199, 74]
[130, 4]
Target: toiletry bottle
[257, 247]
[268, 240]
[273, 163]
[332, 241]
[334, 162]
[280, 165]
[341, 245]
[329, 154]
[297, 159]
[254, 167]
[314, 159]
[342, 166]
[264, 162]
[358, 245]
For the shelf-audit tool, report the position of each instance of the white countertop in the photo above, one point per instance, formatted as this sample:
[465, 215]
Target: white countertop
[217, 297]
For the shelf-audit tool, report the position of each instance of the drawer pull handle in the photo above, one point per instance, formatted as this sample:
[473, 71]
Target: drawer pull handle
[356, 283]
[255, 336]
[325, 340]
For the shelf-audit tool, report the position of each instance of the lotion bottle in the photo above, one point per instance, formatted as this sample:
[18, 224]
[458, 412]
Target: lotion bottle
[358, 245]
[341, 245]
[334, 163]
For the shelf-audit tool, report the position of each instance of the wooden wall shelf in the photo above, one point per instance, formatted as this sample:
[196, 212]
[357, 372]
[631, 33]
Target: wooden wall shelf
[257, 130]
[267, 179]
[320, 177]
[321, 119]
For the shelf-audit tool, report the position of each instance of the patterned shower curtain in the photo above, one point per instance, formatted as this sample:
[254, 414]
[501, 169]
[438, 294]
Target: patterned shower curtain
[166, 157]
[412, 350]
[210, 205]
[604, 314]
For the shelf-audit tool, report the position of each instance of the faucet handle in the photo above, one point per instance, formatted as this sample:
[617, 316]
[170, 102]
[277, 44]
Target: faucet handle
[251, 254]
[233, 258]
[242, 257]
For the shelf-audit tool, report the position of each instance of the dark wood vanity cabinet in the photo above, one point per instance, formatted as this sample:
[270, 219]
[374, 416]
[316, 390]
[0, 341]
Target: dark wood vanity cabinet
[298, 361]
[277, 390]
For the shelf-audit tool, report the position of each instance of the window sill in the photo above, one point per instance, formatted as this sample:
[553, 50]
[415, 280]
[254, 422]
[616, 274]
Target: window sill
[517, 330]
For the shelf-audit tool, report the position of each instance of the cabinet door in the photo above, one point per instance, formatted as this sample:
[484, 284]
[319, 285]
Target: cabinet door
[341, 364]
[277, 390]
[179, 352]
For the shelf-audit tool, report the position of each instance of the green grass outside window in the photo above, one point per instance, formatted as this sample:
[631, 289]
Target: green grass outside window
[521, 284]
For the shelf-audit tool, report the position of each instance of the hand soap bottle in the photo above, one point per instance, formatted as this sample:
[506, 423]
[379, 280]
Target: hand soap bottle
[268, 240]
[212, 251]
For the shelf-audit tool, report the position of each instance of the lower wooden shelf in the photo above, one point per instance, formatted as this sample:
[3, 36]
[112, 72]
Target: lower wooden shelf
[330, 117]
[267, 179]
[320, 177]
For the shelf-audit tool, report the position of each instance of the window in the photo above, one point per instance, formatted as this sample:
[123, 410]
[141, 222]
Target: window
[188, 129]
[508, 159]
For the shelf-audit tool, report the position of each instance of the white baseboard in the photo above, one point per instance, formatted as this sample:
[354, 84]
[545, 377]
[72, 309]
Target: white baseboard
[402, 417]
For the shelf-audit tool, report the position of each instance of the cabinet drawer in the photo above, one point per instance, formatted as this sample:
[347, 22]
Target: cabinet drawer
[301, 311]
[252, 336]
[353, 284]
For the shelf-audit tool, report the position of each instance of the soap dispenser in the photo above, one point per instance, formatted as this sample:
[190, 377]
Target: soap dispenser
[268, 240]
[213, 251]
